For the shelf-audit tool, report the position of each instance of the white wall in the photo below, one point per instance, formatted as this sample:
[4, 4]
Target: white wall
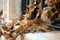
[5, 9]
[11, 8]
[1, 4]
[14, 8]
[17, 8]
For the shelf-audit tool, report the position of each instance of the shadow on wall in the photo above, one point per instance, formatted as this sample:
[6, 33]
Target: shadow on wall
[23, 5]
